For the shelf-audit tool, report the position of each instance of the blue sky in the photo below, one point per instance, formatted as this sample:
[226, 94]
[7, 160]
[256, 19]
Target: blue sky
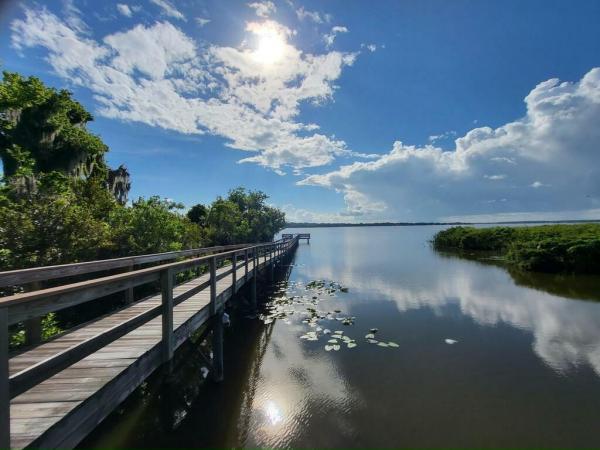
[339, 110]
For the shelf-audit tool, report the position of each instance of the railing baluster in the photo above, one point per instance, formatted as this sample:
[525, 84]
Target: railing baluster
[129, 291]
[234, 274]
[246, 265]
[4, 383]
[166, 281]
[213, 285]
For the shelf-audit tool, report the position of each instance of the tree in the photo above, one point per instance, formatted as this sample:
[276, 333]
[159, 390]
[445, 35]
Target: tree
[44, 130]
[152, 226]
[198, 214]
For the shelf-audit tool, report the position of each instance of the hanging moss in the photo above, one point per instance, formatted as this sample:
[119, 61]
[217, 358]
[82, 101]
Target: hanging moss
[43, 130]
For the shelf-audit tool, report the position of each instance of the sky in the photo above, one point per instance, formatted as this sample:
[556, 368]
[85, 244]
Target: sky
[341, 111]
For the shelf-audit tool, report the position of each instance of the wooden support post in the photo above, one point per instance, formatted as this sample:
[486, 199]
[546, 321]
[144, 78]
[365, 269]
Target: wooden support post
[129, 292]
[33, 331]
[253, 302]
[271, 265]
[4, 381]
[246, 265]
[213, 285]
[217, 349]
[166, 281]
[33, 326]
[234, 273]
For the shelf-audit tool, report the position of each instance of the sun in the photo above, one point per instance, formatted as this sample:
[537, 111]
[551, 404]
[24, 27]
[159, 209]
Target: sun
[270, 47]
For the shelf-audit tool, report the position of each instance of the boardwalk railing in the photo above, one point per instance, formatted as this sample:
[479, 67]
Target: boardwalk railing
[23, 306]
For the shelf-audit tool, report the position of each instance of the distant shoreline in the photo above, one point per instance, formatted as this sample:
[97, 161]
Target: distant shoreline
[415, 224]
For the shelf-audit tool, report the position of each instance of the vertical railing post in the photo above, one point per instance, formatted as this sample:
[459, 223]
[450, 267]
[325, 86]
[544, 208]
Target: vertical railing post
[166, 282]
[217, 340]
[33, 326]
[212, 264]
[234, 273]
[245, 265]
[254, 275]
[271, 264]
[4, 381]
[129, 291]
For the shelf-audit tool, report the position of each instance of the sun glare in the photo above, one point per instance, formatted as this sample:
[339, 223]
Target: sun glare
[270, 48]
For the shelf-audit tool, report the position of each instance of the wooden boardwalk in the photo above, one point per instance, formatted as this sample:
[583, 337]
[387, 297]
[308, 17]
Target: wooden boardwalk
[62, 402]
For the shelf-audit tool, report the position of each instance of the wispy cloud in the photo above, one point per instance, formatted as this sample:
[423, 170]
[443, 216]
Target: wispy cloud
[264, 8]
[202, 21]
[169, 9]
[313, 16]
[330, 37]
[124, 9]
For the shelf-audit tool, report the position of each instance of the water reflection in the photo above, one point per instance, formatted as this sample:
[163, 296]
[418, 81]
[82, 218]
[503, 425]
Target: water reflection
[566, 332]
[522, 369]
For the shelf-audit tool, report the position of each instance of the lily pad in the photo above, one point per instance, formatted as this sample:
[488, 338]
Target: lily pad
[382, 344]
[373, 330]
[332, 341]
[336, 347]
[328, 348]
[450, 341]
[393, 344]
[370, 336]
[372, 341]
[351, 344]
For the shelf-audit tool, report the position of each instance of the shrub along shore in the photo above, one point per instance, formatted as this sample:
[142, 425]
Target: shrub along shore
[545, 248]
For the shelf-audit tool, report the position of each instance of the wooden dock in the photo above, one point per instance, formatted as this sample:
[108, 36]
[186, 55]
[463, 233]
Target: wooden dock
[54, 394]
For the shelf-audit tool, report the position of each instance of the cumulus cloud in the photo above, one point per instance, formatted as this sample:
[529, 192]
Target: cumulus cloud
[157, 75]
[489, 172]
[330, 37]
[264, 8]
[169, 9]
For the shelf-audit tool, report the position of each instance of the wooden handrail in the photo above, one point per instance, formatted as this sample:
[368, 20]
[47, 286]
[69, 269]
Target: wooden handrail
[31, 304]
[25, 276]
[81, 286]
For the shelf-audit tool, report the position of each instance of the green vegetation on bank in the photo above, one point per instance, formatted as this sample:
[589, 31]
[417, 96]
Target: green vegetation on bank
[58, 206]
[546, 248]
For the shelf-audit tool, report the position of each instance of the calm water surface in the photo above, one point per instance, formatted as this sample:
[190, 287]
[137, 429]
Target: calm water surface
[525, 369]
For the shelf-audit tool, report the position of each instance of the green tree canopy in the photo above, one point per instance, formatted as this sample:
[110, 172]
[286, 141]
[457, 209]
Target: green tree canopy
[198, 213]
[43, 130]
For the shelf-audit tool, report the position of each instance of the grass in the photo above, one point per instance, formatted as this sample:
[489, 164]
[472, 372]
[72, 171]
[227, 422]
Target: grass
[545, 248]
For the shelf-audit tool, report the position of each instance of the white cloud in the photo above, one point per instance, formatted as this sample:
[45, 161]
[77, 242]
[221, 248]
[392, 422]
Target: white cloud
[489, 171]
[442, 136]
[73, 17]
[371, 47]
[264, 8]
[124, 9]
[329, 38]
[201, 21]
[169, 9]
[313, 16]
[157, 75]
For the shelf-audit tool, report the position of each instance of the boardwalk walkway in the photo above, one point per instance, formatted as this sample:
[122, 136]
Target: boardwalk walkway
[62, 408]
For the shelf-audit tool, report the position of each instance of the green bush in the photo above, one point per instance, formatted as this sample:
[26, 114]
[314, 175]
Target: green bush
[546, 248]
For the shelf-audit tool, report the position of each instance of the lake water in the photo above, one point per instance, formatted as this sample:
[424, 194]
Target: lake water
[484, 357]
